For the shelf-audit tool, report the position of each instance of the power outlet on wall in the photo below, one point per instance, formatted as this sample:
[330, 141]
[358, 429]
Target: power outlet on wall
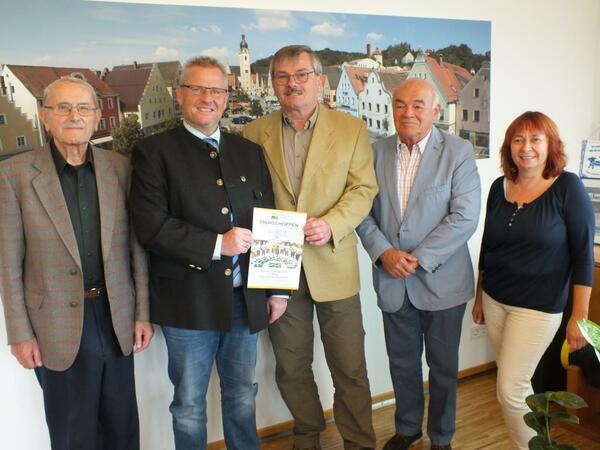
[478, 331]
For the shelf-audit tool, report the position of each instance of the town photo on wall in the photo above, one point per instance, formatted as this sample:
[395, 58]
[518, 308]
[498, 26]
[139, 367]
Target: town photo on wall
[132, 54]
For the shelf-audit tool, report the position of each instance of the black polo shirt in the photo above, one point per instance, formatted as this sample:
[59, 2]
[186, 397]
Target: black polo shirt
[81, 195]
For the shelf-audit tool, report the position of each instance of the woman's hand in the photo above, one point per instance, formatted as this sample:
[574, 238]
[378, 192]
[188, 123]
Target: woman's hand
[574, 337]
[477, 310]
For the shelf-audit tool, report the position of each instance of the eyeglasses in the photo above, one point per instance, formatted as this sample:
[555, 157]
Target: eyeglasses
[199, 90]
[299, 77]
[64, 109]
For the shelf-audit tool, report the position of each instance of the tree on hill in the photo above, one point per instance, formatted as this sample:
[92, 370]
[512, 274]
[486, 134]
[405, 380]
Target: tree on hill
[461, 55]
[394, 53]
[128, 133]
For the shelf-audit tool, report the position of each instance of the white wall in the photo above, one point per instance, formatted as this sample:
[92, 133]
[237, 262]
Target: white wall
[527, 39]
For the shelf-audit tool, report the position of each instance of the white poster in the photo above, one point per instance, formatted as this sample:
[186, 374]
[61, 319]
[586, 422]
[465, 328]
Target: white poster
[590, 159]
[276, 252]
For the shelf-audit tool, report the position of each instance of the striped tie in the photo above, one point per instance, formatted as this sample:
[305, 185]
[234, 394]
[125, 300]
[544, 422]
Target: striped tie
[237, 270]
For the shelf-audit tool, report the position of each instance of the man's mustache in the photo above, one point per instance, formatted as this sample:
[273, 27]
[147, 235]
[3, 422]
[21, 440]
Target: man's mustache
[293, 90]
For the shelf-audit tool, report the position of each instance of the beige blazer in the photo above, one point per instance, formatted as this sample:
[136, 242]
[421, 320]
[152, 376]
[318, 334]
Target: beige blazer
[338, 185]
[41, 282]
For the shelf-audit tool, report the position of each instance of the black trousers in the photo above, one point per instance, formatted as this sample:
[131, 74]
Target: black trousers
[92, 404]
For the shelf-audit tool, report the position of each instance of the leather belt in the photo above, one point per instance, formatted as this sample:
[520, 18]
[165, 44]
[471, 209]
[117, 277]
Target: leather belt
[94, 292]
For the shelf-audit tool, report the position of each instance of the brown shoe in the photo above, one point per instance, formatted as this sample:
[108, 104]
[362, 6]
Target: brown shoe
[401, 442]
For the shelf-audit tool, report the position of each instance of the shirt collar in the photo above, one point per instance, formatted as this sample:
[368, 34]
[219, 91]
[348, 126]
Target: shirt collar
[199, 134]
[60, 162]
[310, 123]
[421, 144]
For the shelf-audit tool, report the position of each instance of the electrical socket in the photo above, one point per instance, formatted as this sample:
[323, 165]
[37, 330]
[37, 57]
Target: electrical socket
[478, 331]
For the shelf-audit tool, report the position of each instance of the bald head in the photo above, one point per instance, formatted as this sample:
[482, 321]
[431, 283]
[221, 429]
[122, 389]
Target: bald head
[416, 106]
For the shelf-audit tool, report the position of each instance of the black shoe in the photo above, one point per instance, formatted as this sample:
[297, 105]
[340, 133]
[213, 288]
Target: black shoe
[441, 447]
[401, 442]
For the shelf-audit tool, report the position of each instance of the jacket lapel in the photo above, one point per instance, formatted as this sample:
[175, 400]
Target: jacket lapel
[273, 147]
[320, 143]
[390, 170]
[427, 167]
[49, 191]
[107, 184]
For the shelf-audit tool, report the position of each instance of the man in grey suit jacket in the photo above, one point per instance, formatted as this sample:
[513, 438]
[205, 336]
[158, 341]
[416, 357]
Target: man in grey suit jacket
[416, 235]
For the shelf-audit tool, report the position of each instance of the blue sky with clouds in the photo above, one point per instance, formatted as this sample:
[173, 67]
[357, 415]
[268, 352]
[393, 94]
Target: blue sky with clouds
[102, 34]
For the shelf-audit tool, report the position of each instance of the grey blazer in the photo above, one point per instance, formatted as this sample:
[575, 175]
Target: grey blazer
[441, 215]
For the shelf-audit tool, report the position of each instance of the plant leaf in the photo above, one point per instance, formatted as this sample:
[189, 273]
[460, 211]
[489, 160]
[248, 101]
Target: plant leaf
[565, 417]
[537, 403]
[538, 443]
[591, 332]
[533, 420]
[568, 400]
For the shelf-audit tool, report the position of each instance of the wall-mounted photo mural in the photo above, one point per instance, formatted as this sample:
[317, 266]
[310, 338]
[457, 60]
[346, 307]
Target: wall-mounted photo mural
[132, 54]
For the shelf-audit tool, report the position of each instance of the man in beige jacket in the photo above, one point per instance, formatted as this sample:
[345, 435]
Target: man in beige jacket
[321, 163]
[73, 279]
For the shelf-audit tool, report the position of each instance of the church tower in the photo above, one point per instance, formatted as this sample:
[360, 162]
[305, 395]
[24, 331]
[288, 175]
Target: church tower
[245, 82]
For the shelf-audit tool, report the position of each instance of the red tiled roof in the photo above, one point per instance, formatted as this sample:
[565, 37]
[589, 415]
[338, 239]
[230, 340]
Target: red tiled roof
[450, 77]
[130, 85]
[391, 80]
[168, 69]
[357, 76]
[36, 78]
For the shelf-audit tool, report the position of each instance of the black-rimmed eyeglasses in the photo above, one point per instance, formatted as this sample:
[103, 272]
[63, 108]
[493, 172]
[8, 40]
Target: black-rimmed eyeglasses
[284, 78]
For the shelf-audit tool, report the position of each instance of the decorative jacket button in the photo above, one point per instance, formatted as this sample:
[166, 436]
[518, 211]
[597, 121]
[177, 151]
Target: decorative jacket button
[72, 271]
[219, 182]
[224, 210]
[243, 178]
[192, 266]
[227, 272]
[212, 154]
[73, 304]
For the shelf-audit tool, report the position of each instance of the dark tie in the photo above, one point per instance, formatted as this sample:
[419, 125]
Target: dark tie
[237, 271]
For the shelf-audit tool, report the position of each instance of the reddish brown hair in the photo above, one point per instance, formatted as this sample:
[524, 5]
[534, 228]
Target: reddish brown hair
[534, 121]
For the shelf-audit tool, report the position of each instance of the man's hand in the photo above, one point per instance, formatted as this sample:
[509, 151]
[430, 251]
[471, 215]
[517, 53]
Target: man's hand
[27, 353]
[236, 241]
[399, 264]
[143, 333]
[276, 307]
[317, 231]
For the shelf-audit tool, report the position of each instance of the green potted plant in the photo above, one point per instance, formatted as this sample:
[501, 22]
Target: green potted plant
[542, 415]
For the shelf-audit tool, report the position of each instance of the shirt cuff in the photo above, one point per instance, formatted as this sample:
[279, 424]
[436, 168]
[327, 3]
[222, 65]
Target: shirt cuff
[217, 252]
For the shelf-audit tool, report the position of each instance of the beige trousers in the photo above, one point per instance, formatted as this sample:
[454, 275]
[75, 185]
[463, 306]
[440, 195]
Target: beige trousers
[520, 337]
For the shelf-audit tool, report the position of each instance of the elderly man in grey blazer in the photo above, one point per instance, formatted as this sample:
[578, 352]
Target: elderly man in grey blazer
[416, 235]
[73, 278]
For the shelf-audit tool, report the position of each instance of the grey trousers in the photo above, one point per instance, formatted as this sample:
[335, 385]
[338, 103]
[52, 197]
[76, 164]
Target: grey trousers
[342, 335]
[405, 332]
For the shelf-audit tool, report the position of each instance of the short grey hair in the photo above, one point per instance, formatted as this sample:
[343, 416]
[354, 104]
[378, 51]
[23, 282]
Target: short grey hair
[436, 95]
[69, 79]
[294, 51]
[202, 61]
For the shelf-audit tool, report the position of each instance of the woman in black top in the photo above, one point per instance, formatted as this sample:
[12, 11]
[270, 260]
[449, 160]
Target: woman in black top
[537, 248]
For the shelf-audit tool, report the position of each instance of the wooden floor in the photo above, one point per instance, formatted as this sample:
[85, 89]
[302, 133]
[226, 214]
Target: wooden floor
[479, 423]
